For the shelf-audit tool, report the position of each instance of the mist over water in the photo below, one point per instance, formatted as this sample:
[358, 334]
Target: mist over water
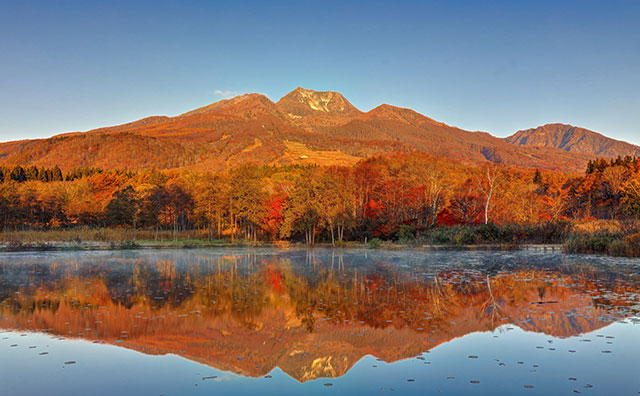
[321, 321]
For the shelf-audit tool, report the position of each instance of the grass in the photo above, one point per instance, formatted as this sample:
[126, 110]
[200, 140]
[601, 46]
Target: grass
[599, 237]
[87, 234]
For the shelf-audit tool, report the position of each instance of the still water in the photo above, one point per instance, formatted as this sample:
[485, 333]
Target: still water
[318, 322]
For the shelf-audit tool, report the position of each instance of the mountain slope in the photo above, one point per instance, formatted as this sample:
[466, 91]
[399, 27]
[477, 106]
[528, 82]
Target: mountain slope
[573, 139]
[304, 126]
[418, 132]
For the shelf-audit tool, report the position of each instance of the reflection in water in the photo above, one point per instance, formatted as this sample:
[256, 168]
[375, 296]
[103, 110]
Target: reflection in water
[313, 314]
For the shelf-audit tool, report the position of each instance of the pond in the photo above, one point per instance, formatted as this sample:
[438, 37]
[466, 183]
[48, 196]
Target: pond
[318, 322]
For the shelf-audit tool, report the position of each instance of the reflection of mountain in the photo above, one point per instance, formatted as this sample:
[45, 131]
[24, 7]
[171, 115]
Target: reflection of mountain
[250, 313]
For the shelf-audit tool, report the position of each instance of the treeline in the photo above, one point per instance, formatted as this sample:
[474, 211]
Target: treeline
[21, 174]
[600, 164]
[392, 197]
[31, 173]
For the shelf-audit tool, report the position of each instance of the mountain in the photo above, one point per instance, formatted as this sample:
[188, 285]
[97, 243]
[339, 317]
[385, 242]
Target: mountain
[304, 126]
[573, 139]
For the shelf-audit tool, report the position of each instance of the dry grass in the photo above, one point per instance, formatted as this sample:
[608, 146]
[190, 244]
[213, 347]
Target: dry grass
[87, 234]
[599, 226]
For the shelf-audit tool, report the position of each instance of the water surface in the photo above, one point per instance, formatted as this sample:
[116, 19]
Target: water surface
[290, 322]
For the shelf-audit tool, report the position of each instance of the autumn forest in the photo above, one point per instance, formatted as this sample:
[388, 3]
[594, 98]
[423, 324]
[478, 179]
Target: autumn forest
[402, 197]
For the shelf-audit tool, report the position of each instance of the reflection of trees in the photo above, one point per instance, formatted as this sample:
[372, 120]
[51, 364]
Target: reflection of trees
[239, 288]
[491, 306]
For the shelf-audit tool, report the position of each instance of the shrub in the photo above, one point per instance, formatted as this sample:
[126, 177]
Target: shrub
[128, 245]
[375, 243]
[459, 235]
[599, 243]
[489, 232]
[465, 236]
[440, 237]
[406, 234]
[628, 247]
[584, 243]
[523, 234]
[508, 233]
[633, 241]
[552, 232]
[620, 248]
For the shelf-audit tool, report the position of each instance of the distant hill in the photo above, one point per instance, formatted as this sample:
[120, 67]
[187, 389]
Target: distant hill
[573, 139]
[304, 126]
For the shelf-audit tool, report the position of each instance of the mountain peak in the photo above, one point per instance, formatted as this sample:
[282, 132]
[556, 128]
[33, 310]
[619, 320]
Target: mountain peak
[301, 102]
[574, 139]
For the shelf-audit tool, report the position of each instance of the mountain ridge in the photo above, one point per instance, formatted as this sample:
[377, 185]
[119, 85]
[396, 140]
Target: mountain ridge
[304, 126]
[573, 139]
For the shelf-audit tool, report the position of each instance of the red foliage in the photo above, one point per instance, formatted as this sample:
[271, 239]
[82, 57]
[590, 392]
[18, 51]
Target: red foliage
[373, 208]
[446, 218]
[274, 217]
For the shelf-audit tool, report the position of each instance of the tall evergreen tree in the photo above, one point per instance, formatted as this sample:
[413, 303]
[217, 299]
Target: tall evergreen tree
[18, 174]
[56, 174]
[31, 173]
[42, 175]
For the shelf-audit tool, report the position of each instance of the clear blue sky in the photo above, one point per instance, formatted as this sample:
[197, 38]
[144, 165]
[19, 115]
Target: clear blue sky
[495, 66]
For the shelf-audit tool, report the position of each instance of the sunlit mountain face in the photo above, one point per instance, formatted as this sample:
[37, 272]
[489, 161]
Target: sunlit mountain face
[312, 314]
[303, 127]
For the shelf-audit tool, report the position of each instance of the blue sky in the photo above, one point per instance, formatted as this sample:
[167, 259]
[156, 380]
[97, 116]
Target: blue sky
[496, 66]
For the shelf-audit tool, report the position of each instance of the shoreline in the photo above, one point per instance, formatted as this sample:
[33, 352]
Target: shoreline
[61, 246]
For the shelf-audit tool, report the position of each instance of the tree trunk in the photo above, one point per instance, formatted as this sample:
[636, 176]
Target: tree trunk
[175, 226]
[233, 228]
[486, 208]
[333, 240]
